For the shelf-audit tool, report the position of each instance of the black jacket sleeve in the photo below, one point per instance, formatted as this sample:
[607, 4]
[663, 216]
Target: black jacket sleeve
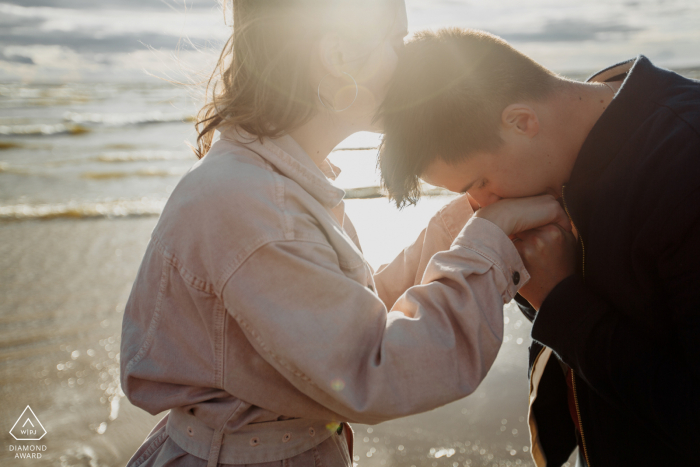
[652, 375]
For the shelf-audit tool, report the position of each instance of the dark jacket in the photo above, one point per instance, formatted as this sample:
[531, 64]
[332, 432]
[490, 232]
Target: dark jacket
[628, 323]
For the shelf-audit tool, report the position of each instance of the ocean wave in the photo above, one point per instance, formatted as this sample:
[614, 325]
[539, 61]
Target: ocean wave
[99, 175]
[9, 145]
[84, 210]
[39, 129]
[116, 120]
[15, 94]
[5, 168]
[145, 155]
[370, 192]
[148, 172]
[141, 207]
[356, 149]
[111, 157]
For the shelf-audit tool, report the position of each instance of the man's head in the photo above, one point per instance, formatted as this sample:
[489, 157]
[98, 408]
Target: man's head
[466, 111]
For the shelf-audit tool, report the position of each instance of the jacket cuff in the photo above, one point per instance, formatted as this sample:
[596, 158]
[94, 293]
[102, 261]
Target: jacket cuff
[567, 317]
[488, 240]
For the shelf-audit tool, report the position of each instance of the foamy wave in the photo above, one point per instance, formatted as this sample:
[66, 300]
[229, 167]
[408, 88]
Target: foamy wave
[42, 129]
[126, 156]
[140, 207]
[146, 155]
[43, 95]
[148, 172]
[9, 145]
[369, 192]
[84, 210]
[356, 149]
[5, 168]
[127, 119]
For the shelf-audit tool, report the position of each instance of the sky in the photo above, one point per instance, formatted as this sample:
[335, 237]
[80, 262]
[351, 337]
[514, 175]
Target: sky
[97, 40]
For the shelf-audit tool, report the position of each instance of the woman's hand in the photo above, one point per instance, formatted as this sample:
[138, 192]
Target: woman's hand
[549, 255]
[521, 214]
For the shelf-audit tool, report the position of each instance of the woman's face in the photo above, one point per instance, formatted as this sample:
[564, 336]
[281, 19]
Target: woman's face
[371, 58]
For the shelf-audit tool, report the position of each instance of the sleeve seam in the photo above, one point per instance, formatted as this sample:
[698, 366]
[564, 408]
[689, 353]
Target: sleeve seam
[154, 322]
[446, 228]
[228, 275]
[491, 260]
[190, 278]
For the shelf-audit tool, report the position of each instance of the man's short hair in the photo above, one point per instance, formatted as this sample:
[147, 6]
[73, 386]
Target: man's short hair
[445, 101]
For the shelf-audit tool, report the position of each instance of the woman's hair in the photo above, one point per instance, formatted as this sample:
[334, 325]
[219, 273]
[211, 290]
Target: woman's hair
[261, 81]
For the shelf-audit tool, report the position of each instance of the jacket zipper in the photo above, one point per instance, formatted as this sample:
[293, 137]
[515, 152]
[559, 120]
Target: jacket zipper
[580, 238]
[573, 375]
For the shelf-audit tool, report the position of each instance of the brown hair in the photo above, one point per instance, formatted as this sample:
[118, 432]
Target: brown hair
[261, 81]
[445, 101]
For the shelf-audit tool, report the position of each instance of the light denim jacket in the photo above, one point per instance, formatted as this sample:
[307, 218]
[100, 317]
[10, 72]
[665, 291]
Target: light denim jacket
[254, 305]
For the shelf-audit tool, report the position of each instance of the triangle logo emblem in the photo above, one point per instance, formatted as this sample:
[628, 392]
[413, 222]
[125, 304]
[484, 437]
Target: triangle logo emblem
[28, 427]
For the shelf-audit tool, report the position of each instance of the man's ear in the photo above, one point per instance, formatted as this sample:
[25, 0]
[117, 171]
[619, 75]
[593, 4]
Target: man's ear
[330, 54]
[520, 119]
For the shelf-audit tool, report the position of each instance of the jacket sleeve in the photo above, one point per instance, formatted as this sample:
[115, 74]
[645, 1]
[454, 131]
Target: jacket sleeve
[334, 341]
[407, 269]
[654, 374]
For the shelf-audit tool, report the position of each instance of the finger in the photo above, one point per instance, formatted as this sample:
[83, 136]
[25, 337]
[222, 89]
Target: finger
[528, 235]
[569, 237]
[537, 241]
[527, 251]
[558, 215]
[551, 231]
[563, 221]
[538, 211]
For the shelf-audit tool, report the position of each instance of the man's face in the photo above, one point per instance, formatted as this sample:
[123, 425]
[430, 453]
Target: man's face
[511, 172]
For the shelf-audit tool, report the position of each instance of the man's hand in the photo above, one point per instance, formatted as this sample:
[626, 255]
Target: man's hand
[549, 255]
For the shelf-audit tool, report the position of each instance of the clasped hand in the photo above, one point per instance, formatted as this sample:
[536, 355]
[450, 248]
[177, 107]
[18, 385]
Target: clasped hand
[542, 234]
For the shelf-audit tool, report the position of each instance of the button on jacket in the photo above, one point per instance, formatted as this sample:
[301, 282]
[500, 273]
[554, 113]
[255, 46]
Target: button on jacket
[254, 309]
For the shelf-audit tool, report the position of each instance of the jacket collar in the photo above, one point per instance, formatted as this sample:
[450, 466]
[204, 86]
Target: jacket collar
[642, 86]
[291, 160]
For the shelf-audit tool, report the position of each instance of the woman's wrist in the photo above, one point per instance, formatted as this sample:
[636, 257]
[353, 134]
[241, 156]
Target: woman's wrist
[496, 215]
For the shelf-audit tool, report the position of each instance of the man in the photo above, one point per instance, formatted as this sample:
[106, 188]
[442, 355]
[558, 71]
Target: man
[615, 362]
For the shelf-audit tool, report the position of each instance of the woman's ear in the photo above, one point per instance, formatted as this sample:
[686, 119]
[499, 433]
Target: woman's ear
[330, 54]
[520, 119]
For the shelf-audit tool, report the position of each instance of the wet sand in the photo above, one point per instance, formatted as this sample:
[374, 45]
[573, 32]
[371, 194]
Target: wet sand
[64, 284]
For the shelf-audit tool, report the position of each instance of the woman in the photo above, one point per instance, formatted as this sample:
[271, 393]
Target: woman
[255, 318]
